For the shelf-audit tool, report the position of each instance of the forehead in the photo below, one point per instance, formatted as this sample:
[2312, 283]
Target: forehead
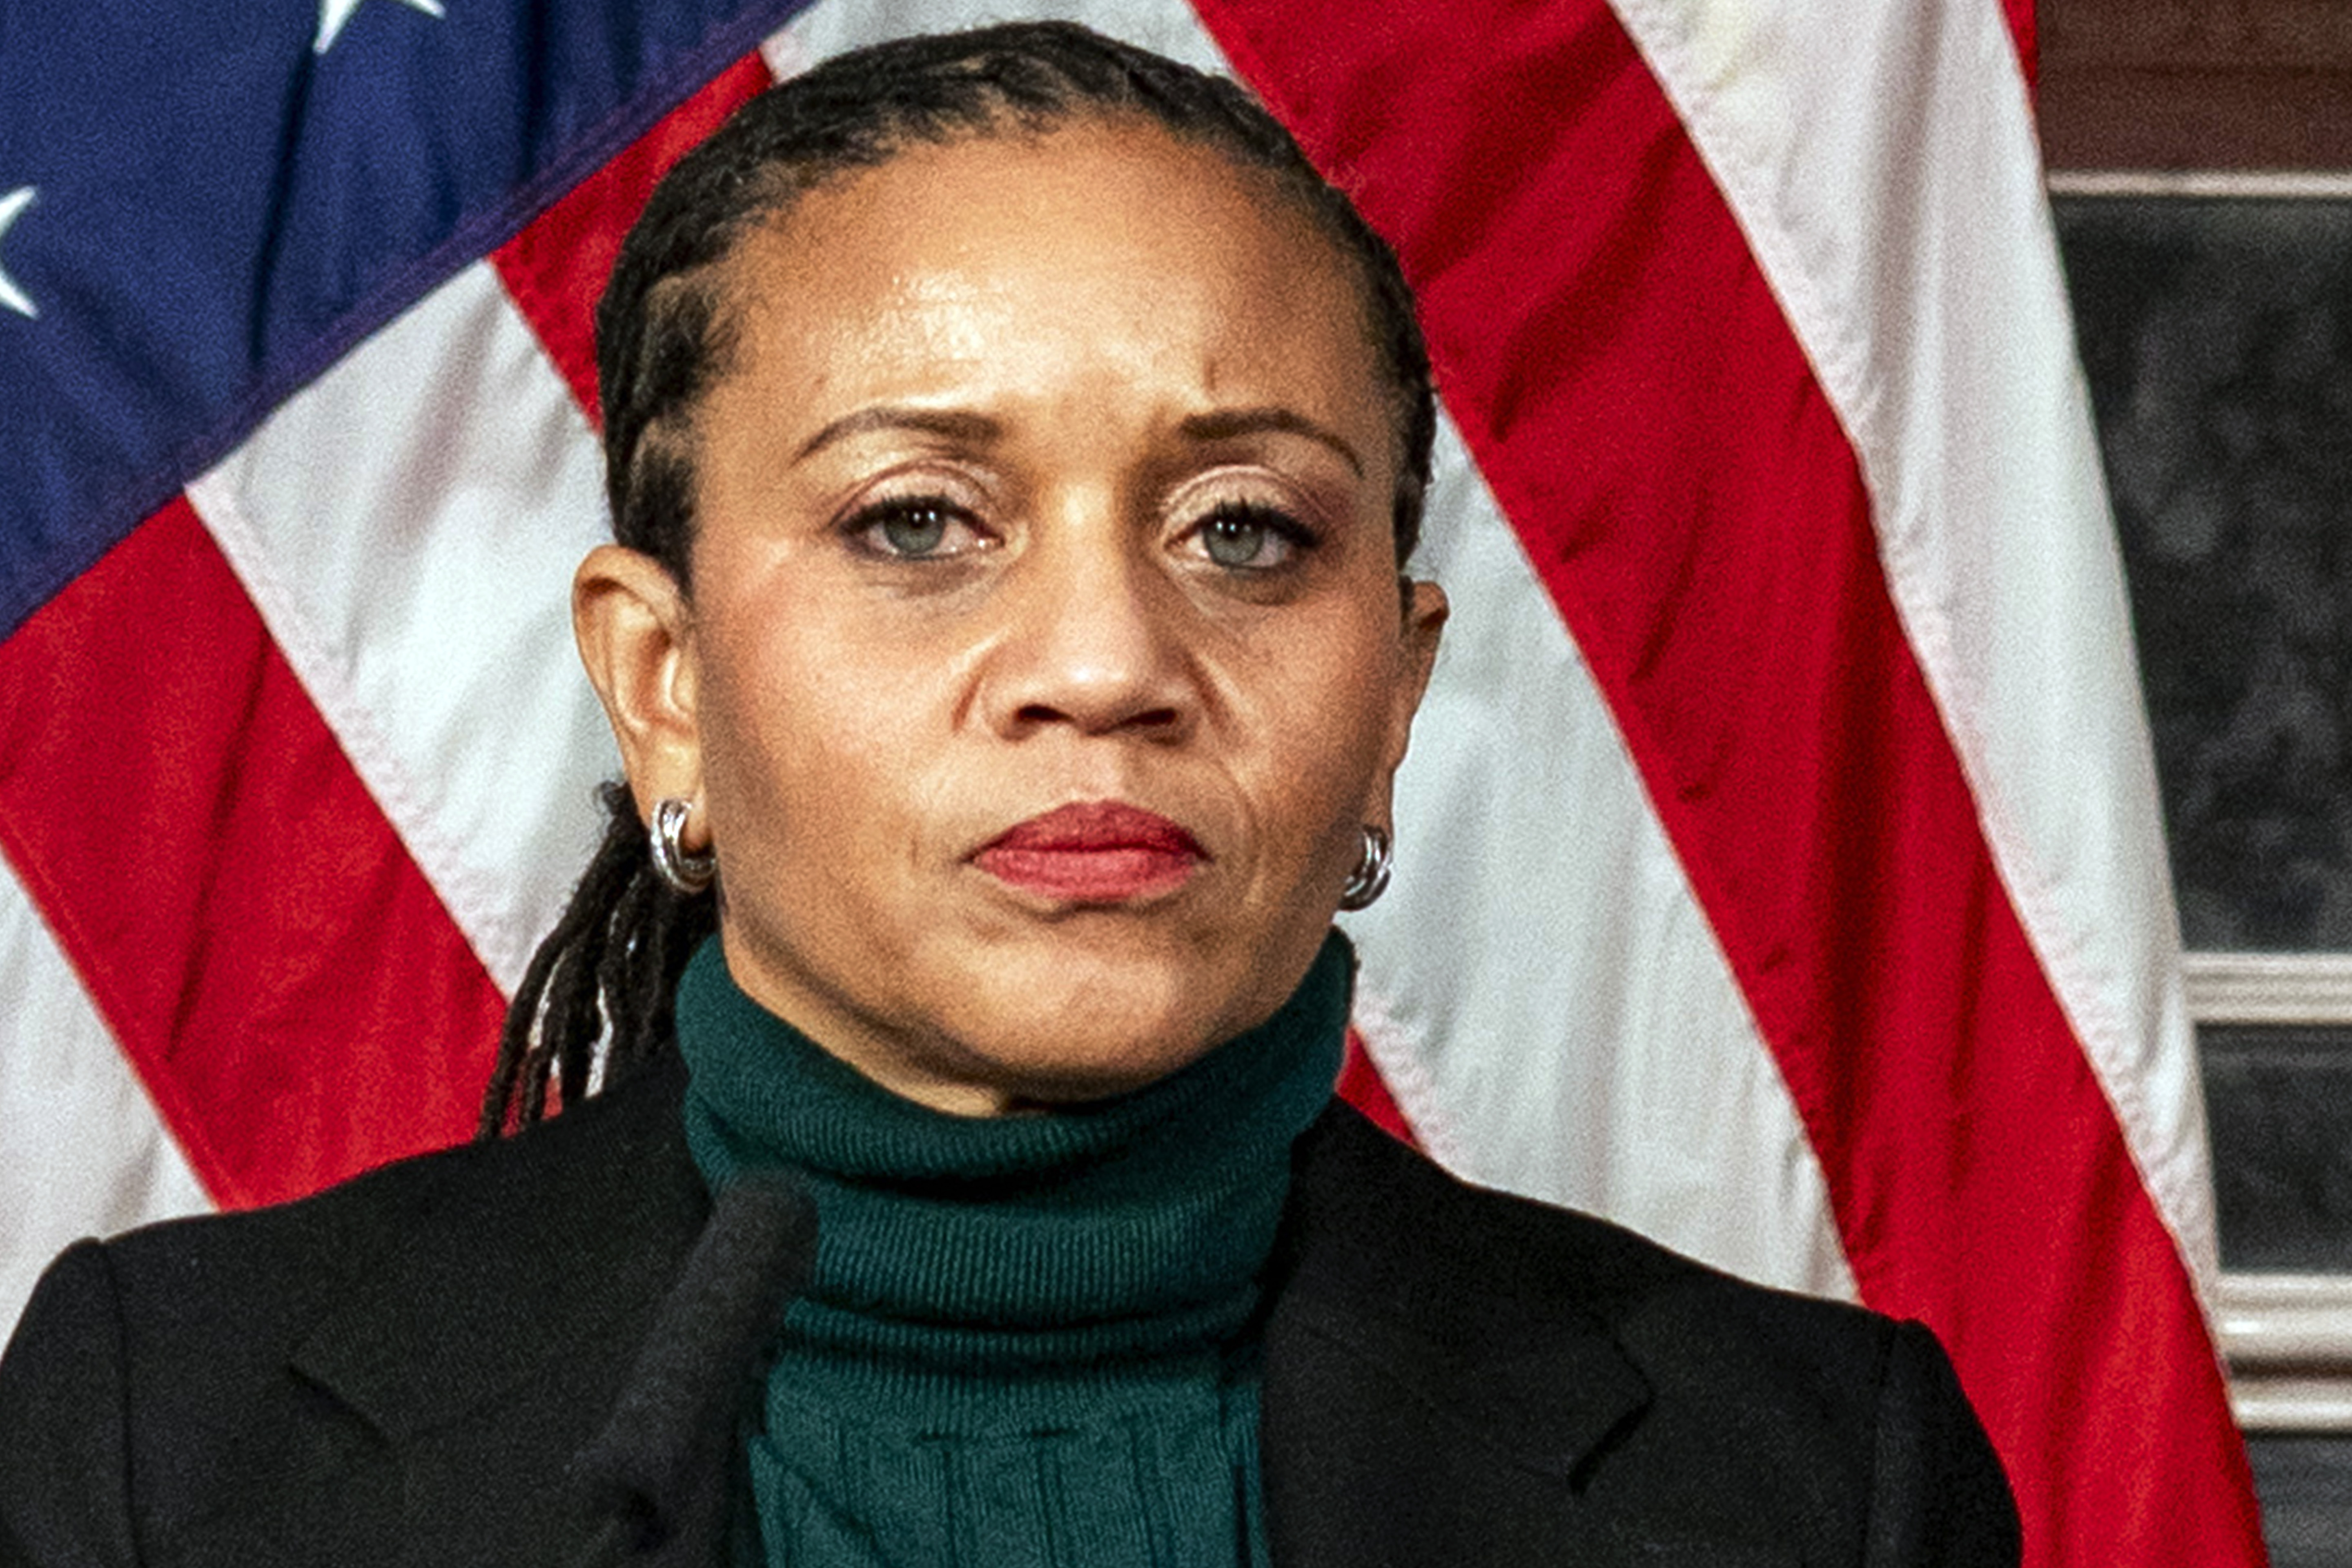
[1116, 242]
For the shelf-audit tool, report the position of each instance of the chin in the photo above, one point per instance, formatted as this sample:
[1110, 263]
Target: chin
[977, 1016]
[1074, 1025]
[1082, 1044]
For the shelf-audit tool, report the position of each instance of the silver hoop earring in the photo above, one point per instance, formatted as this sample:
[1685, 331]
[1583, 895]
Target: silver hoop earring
[1371, 877]
[689, 874]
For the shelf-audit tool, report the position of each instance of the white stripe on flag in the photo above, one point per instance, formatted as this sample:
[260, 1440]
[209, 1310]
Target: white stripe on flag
[82, 1152]
[1940, 333]
[407, 526]
[1541, 946]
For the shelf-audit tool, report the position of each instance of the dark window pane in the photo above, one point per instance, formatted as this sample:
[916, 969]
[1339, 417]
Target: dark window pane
[2218, 339]
[2279, 1099]
[2305, 1484]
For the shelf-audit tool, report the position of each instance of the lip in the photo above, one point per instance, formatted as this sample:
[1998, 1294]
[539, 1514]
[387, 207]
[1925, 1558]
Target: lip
[1094, 852]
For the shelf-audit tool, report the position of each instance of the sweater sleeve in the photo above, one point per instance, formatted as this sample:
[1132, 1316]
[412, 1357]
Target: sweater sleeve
[1938, 1496]
[64, 1465]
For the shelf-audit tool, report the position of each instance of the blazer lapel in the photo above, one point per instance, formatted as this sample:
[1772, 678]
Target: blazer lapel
[1411, 1418]
[503, 1330]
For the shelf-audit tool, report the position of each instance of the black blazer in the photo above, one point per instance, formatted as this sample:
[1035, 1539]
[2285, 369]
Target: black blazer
[403, 1368]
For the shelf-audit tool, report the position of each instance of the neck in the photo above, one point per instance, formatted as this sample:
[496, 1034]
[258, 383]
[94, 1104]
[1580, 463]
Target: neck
[1084, 1241]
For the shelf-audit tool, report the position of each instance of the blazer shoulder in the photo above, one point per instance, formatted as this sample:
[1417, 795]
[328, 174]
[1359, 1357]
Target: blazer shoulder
[1666, 1391]
[1357, 1190]
[228, 1362]
[607, 1167]
[64, 1446]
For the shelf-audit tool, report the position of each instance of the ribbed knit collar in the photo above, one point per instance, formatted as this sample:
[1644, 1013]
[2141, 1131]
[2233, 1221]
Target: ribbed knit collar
[1030, 1256]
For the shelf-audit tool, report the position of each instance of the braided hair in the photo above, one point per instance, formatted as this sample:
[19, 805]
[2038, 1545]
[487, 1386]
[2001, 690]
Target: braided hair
[596, 1001]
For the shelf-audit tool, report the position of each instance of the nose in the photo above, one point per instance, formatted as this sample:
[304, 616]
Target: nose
[1095, 640]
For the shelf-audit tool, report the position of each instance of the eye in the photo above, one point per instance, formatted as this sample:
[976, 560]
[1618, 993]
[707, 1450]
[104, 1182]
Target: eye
[1243, 536]
[916, 528]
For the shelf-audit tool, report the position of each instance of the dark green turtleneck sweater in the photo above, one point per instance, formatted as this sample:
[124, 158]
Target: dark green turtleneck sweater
[1029, 1342]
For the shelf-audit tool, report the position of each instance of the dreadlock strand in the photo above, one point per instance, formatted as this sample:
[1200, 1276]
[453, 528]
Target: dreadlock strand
[559, 1012]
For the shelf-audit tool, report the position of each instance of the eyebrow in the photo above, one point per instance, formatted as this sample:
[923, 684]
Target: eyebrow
[979, 429]
[1226, 424]
[976, 429]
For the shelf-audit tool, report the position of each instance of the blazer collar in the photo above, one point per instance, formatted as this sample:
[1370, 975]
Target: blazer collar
[1379, 1246]
[1432, 1391]
[541, 1256]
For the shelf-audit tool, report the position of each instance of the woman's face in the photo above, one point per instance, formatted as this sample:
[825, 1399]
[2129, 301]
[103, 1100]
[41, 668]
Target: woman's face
[1046, 655]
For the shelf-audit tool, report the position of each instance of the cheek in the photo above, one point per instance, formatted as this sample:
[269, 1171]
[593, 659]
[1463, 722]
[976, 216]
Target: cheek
[804, 743]
[1323, 709]
[832, 757]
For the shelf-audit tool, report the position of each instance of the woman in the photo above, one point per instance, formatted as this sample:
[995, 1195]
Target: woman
[1014, 449]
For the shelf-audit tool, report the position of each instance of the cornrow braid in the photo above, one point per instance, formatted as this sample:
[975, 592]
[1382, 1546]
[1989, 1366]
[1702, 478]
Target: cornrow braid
[602, 986]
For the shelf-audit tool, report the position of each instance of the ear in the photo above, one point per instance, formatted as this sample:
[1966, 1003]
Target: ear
[636, 631]
[1425, 610]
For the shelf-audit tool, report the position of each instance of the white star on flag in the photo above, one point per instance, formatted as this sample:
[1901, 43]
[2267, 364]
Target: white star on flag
[334, 14]
[12, 297]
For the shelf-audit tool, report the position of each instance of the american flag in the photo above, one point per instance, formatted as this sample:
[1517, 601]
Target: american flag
[1780, 868]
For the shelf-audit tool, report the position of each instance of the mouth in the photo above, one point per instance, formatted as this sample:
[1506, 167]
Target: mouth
[1094, 852]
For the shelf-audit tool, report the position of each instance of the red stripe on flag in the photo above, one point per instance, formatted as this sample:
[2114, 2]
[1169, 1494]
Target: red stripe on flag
[1361, 1086]
[2024, 30]
[555, 268]
[1644, 416]
[231, 895]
